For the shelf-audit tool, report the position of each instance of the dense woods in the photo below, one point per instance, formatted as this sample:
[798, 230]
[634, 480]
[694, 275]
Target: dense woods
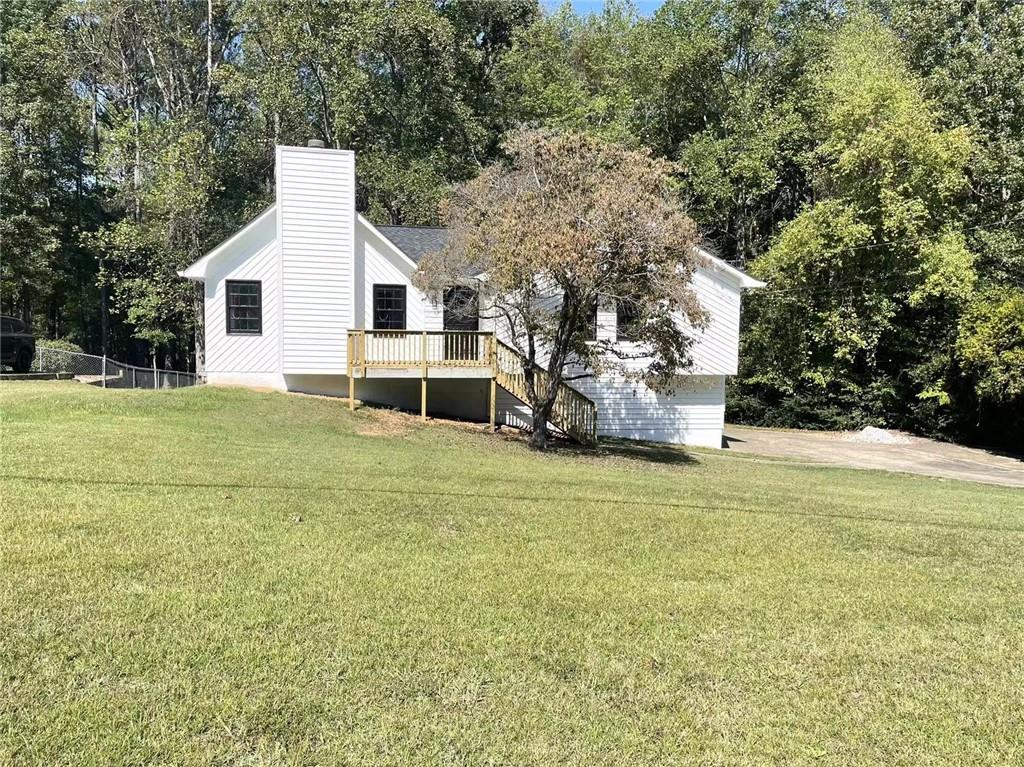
[866, 160]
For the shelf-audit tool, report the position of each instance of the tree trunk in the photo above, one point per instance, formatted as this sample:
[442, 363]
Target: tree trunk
[541, 409]
[540, 438]
[209, 54]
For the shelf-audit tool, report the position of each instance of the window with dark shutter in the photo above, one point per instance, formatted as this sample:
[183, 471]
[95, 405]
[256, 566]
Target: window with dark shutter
[244, 307]
[389, 307]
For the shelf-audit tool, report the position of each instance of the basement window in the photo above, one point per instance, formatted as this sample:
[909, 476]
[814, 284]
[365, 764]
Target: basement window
[389, 307]
[244, 307]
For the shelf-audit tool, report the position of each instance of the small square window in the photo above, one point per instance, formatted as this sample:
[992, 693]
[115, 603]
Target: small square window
[244, 307]
[389, 307]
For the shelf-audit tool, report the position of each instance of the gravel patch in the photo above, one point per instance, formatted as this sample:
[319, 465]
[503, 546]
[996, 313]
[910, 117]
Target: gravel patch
[871, 435]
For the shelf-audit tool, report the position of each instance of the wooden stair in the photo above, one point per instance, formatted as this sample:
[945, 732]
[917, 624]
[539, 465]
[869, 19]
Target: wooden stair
[476, 355]
[574, 414]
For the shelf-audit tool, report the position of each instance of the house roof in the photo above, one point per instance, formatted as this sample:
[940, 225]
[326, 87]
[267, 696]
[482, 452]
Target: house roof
[418, 241]
[415, 241]
[741, 278]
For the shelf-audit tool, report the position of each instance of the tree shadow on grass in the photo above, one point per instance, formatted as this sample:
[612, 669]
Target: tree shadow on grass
[608, 447]
[635, 450]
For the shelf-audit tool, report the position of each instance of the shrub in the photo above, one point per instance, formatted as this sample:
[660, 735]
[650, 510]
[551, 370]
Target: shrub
[61, 344]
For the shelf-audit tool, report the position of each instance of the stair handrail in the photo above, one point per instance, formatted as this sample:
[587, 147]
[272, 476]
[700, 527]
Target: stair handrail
[572, 412]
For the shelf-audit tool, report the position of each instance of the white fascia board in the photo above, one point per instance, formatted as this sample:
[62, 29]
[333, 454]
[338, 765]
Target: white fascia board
[742, 279]
[390, 245]
[197, 271]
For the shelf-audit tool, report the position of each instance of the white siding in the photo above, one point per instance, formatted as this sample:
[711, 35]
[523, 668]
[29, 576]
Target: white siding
[316, 231]
[693, 413]
[716, 350]
[380, 266]
[253, 258]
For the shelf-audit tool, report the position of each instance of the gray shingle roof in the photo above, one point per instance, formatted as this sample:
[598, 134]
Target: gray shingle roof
[416, 241]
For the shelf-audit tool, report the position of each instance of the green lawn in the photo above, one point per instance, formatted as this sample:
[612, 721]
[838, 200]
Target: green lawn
[224, 577]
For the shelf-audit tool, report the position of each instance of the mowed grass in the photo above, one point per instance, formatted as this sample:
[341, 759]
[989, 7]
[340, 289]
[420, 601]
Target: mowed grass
[214, 576]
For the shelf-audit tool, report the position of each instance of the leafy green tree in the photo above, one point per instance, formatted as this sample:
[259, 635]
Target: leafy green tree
[41, 165]
[866, 282]
[971, 56]
[151, 73]
[408, 86]
[990, 345]
[990, 353]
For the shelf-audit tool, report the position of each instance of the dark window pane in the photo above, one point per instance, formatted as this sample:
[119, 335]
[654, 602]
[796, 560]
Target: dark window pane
[389, 307]
[461, 308]
[245, 307]
[590, 331]
[626, 317]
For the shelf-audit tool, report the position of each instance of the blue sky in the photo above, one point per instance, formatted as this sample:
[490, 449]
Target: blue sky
[646, 7]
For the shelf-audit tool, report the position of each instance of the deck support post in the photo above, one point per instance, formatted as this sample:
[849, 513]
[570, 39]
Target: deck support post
[354, 338]
[494, 402]
[423, 377]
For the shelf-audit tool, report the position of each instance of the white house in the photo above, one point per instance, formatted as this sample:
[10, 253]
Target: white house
[312, 297]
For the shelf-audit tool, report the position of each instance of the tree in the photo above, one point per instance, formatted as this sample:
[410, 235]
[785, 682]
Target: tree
[41, 167]
[406, 85]
[867, 281]
[970, 57]
[151, 73]
[990, 351]
[564, 222]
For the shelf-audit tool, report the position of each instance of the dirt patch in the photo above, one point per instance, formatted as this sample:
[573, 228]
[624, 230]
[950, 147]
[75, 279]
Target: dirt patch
[916, 455]
[385, 423]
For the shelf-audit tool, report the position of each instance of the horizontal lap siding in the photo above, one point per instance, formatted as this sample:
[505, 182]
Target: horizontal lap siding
[694, 409]
[694, 413]
[316, 208]
[381, 267]
[716, 348]
[255, 259]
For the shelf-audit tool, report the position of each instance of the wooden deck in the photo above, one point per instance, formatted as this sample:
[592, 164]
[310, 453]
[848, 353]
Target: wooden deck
[462, 354]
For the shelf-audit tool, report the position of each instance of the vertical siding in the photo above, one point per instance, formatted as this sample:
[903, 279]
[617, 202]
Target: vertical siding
[254, 259]
[316, 231]
[381, 267]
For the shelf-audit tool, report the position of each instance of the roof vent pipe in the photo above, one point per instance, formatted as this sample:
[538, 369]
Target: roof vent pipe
[316, 143]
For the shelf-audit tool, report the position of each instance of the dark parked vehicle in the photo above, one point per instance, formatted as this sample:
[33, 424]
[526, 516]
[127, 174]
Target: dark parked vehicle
[17, 344]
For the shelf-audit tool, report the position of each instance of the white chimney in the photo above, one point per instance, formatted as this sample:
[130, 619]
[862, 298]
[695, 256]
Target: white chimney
[316, 216]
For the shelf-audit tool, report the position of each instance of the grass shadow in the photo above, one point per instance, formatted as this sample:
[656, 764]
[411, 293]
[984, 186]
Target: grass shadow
[634, 450]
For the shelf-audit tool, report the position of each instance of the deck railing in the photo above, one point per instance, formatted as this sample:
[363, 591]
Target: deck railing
[406, 349]
[573, 413]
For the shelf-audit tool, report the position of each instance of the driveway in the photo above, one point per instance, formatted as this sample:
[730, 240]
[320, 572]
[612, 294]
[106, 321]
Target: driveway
[917, 456]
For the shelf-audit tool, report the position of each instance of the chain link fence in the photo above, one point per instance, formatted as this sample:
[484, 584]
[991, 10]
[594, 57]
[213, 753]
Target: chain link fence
[108, 373]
